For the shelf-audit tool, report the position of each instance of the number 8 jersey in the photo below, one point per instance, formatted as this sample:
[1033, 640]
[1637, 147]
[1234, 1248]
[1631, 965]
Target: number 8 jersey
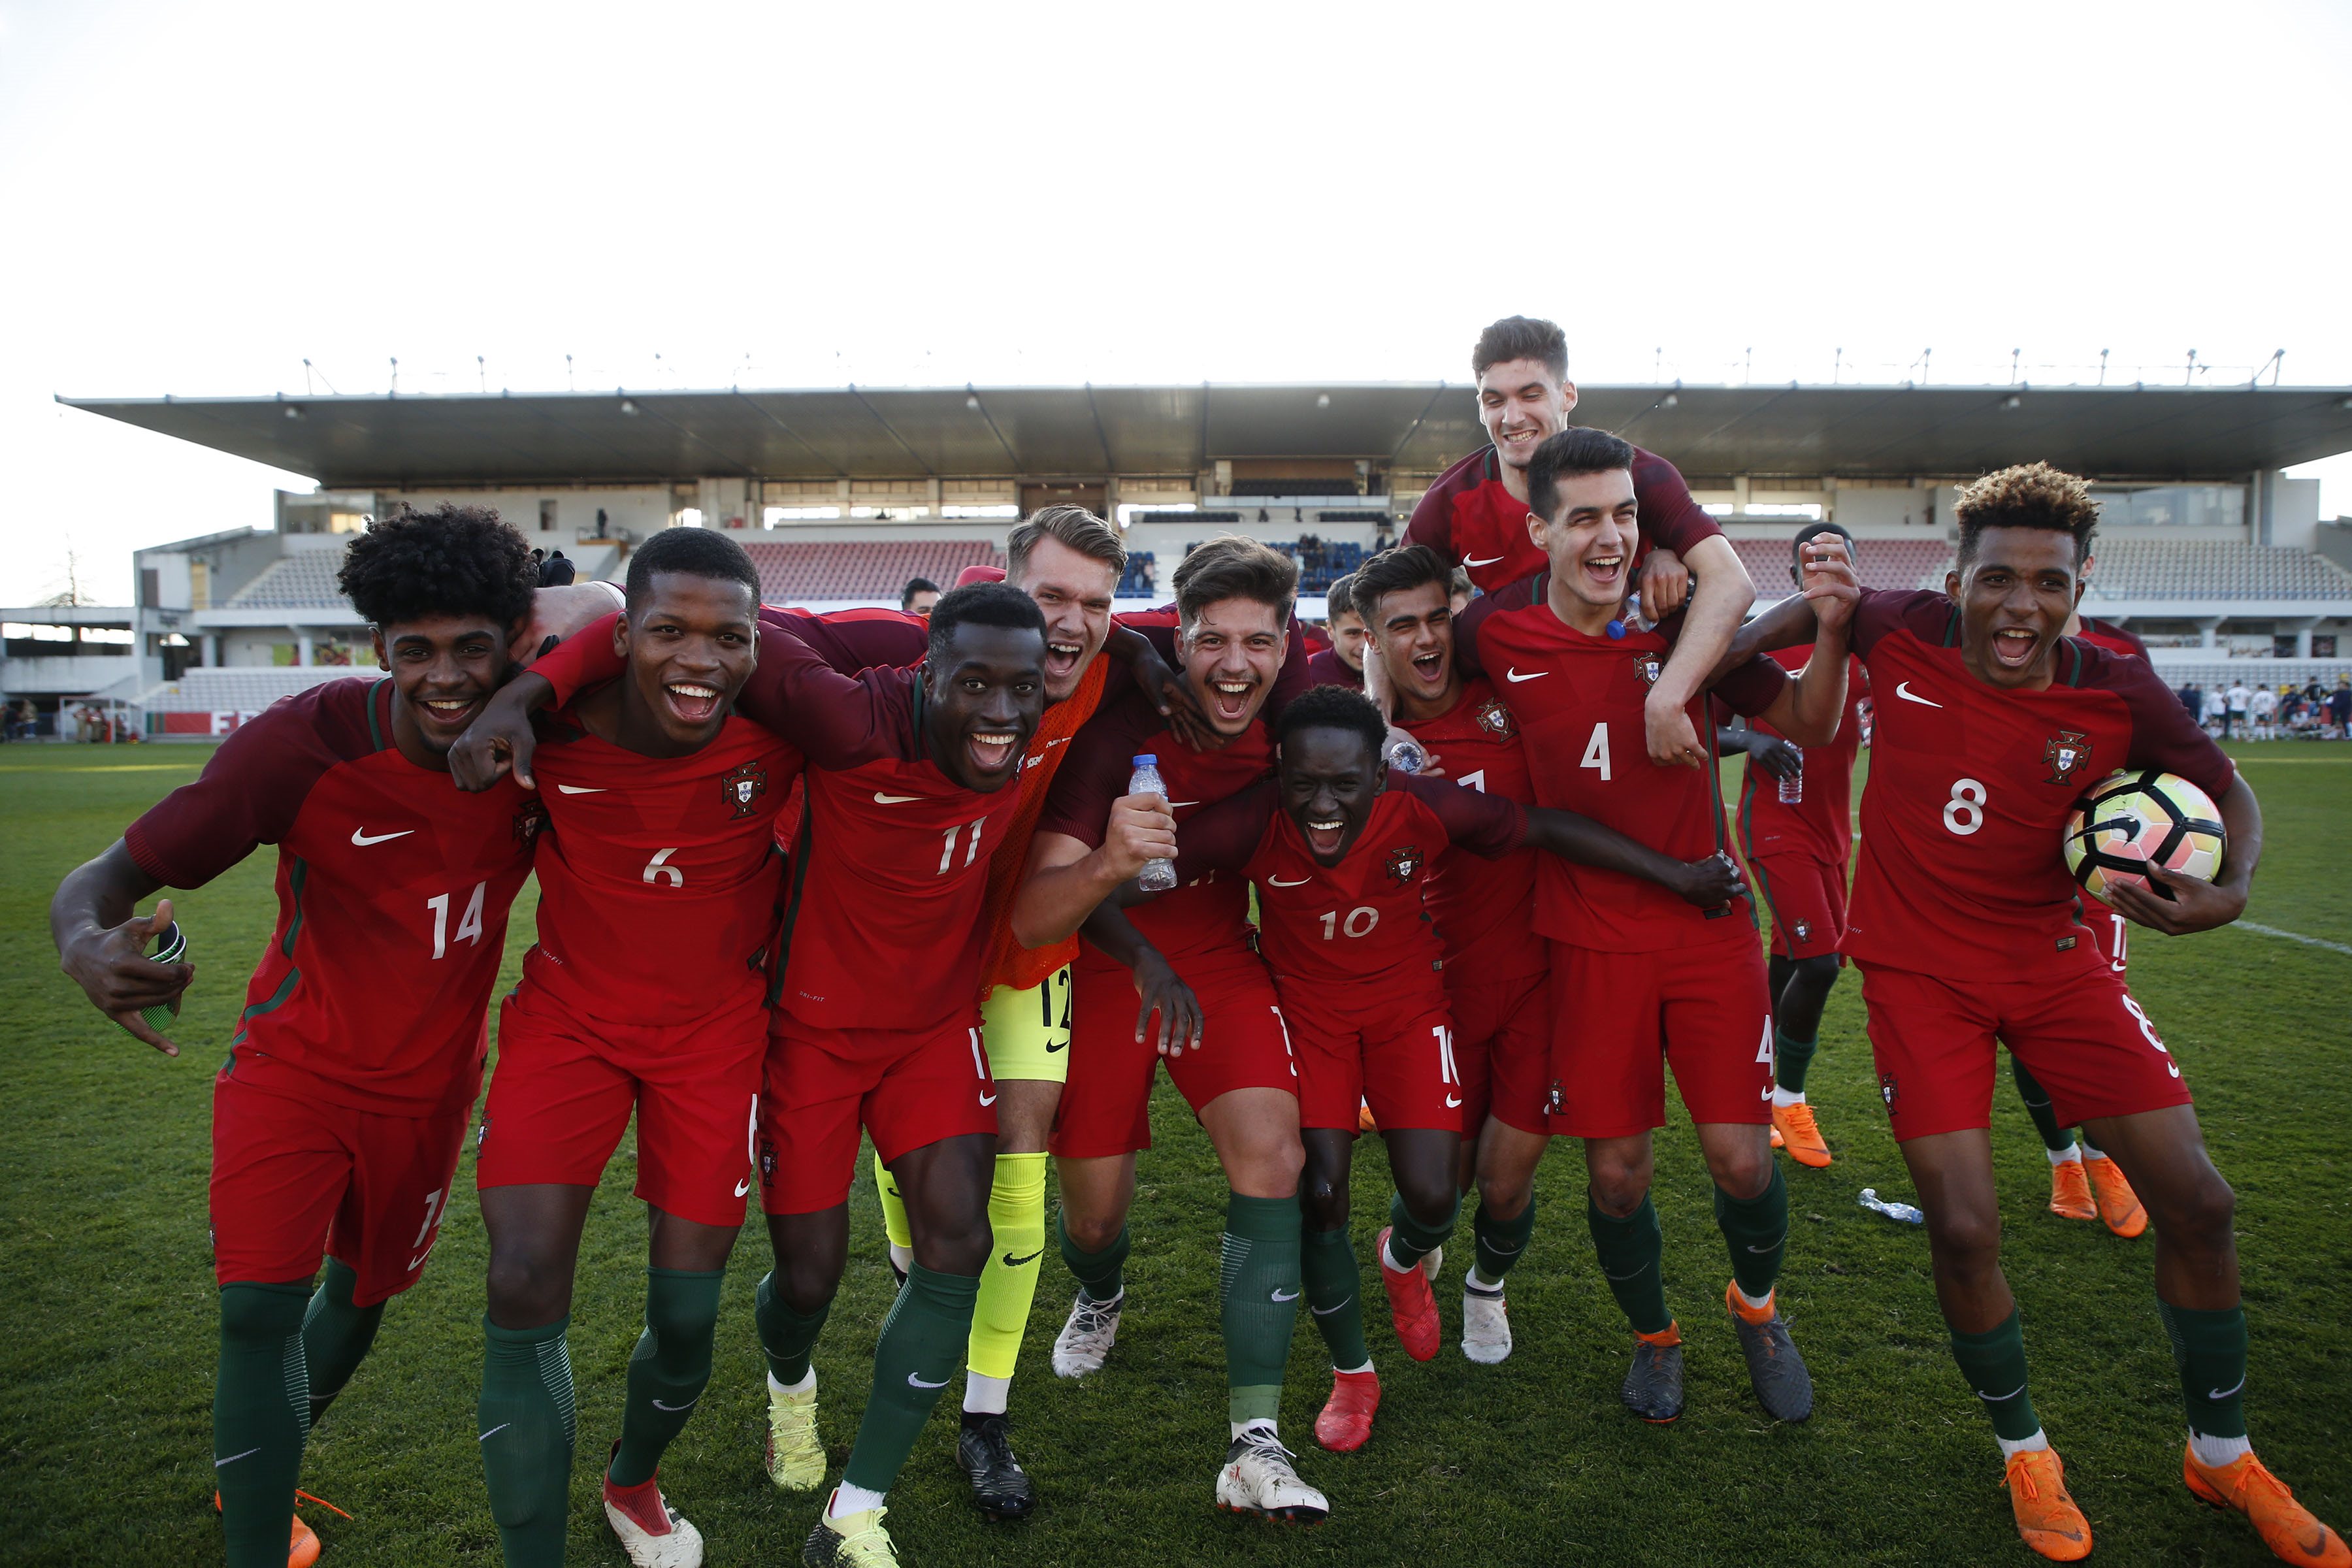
[1960, 871]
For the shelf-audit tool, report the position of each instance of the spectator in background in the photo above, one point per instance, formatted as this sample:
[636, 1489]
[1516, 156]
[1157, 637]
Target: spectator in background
[2261, 709]
[2217, 708]
[1342, 663]
[2234, 718]
[2340, 707]
[557, 571]
[918, 595]
[2192, 698]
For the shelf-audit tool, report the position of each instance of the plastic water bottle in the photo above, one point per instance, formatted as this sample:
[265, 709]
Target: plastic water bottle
[1630, 617]
[1792, 785]
[1404, 754]
[1157, 876]
[1876, 1205]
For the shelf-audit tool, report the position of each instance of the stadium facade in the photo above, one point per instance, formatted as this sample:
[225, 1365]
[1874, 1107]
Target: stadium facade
[2206, 549]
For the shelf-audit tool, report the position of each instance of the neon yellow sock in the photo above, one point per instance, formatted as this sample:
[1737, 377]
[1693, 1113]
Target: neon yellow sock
[894, 1207]
[1016, 1212]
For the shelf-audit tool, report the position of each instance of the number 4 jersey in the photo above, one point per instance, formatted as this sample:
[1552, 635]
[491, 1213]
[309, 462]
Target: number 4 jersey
[1960, 871]
[393, 891]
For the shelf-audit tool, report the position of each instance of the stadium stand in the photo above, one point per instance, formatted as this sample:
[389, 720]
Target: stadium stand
[1880, 562]
[1141, 578]
[1255, 489]
[303, 580]
[814, 572]
[1359, 514]
[2213, 569]
[235, 688]
[1185, 516]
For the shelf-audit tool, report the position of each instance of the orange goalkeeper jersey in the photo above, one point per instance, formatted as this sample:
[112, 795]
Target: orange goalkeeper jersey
[1005, 962]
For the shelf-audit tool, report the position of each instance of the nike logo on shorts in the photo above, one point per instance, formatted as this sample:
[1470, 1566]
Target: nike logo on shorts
[742, 1187]
[1515, 677]
[987, 1099]
[914, 1382]
[1489, 561]
[1012, 1262]
[1051, 1047]
[1452, 1101]
[361, 836]
[1903, 689]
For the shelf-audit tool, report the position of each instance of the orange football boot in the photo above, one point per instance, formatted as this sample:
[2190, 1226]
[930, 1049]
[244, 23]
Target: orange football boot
[302, 1542]
[1793, 1127]
[2118, 1205]
[2285, 1526]
[1366, 1122]
[2070, 1191]
[2046, 1515]
[1346, 1422]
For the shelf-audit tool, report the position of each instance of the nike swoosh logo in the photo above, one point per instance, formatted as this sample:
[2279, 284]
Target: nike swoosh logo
[1997, 1398]
[914, 1382]
[360, 837]
[493, 1431]
[988, 1099]
[1051, 1047]
[881, 799]
[687, 1405]
[1774, 1247]
[232, 1459]
[1012, 1262]
[2225, 1392]
[1278, 882]
[1063, 741]
[1490, 561]
[1280, 1297]
[1515, 677]
[579, 789]
[1621, 1278]
[1903, 689]
[1327, 1312]
[742, 1187]
[1452, 1100]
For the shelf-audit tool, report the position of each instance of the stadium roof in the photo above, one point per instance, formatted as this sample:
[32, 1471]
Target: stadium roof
[636, 437]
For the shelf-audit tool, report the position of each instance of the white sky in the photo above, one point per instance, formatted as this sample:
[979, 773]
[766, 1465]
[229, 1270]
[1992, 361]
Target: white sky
[195, 198]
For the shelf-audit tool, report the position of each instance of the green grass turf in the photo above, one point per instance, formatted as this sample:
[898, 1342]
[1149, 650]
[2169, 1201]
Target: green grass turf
[105, 1368]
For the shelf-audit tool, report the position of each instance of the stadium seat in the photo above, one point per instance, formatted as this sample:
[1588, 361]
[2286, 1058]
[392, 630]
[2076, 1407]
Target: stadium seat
[303, 580]
[240, 688]
[2213, 569]
[813, 571]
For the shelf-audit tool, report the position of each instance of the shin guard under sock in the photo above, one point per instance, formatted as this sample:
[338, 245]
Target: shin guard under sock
[1258, 1289]
[1994, 1364]
[261, 1413]
[668, 1369]
[335, 1335]
[1326, 1266]
[2210, 1349]
[922, 1339]
[1499, 1242]
[1756, 1231]
[1008, 1285]
[1633, 1254]
[1410, 1241]
[787, 1338]
[526, 1439]
[1099, 1274]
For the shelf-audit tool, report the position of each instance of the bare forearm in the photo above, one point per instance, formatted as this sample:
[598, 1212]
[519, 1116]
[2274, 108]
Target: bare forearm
[1817, 695]
[1055, 900]
[1789, 624]
[2242, 819]
[1111, 931]
[1575, 838]
[99, 895]
[1722, 596]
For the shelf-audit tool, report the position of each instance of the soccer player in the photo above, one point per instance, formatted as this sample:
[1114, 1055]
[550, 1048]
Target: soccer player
[1476, 514]
[1991, 722]
[337, 1119]
[1799, 852]
[1640, 979]
[1342, 663]
[1341, 854]
[1234, 599]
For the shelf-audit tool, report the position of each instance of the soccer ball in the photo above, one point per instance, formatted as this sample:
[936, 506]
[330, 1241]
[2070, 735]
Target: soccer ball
[2131, 820]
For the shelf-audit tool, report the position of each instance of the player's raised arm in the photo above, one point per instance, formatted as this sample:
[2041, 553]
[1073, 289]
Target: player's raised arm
[102, 942]
[1808, 708]
[1722, 597]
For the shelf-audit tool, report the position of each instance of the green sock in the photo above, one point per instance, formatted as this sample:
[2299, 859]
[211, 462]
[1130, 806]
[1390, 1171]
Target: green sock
[1790, 1057]
[1994, 1364]
[1326, 1265]
[2210, 1349]
[921, 1346]
[788, 1338]
[1500, 1243]
[667, 1370]
[335, 1335]
[1410, 1241]
[526, 1439]
[1100, 1274]
[1633, 1254]
[261, 1413]
[1257, 1289]
[2055, 1138]
[1757, 1231]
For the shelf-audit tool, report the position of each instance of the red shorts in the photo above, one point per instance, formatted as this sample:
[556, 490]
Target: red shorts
[1502, 1046]
[910, 1090]
[2084, 1038]
[1807, 901]
[1392, 1050]
[1105, 1107]
[1621, 1019]
[564, 1086]
[296, 1179]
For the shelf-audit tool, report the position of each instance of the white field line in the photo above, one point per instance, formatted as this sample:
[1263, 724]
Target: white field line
[2296, 936]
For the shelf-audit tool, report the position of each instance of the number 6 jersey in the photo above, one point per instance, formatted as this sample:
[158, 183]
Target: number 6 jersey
[1960, 874]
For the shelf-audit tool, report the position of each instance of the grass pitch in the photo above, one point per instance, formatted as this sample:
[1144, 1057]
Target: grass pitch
[105, 1368]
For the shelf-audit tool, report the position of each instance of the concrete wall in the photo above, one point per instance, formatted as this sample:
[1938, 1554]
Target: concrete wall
[640, 509]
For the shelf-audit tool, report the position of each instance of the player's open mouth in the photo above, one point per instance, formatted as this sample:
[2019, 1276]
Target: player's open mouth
[1061, 658]
[1430, 666]
[1323, 838]
[991, 752]
[1229, 700]
[694, 704]
[1526, 438]
[2014, 647]
[1605, 570]
[450, 712]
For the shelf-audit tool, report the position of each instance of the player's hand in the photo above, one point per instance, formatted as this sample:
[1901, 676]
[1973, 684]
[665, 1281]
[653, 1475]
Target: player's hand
[2195, 905]
[1434, 768]
[1141, 828]
[1158, 990]
[556, 614]
[501, 740]
[1665, 584]
[1713, 882]
[115, 972]
[1828, 584]
[1166, 692]
[1775, 755]
[1667, 729]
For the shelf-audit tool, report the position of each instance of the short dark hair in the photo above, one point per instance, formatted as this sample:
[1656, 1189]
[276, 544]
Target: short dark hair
[1521, 337]
[1334, 708]
[1339, 599]
[2028, 494]
[1567, 454]
[1231, 567]
[983, 605]
[1074, 526]
[916, 586]
[695, 551]
[1394, 571]
[1810, 531]
[451, 561]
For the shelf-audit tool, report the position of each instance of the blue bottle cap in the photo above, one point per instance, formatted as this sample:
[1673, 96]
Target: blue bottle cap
[1617, 631]
[1148, 759]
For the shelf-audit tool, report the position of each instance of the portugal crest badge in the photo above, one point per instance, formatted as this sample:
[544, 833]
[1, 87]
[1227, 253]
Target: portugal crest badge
[2068, 753]
[744, 786]
[1648, 665]
[529, 818]
[1405, 864]
[1496, 720]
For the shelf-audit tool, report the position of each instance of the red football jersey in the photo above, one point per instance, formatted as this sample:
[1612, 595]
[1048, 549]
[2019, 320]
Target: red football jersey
[1470, 518]
[1819, 826]
[1352, 923]
[1484, 908]
[659, 885]
[1328, 669]
[393, 892]
[1580, 703]
[1960, 873]
[1208, 915]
